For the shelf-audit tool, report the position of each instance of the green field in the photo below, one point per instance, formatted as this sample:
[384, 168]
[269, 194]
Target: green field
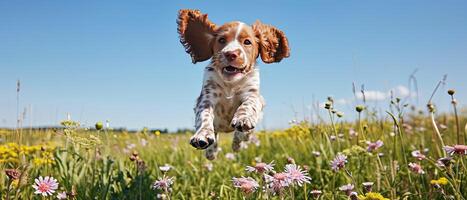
[107, 164]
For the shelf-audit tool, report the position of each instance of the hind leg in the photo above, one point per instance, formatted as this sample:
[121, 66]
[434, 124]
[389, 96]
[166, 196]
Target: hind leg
[239, 137]
[211, 151]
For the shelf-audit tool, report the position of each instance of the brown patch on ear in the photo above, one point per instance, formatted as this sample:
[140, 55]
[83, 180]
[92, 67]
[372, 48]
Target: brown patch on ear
[272, 42]
[196, 33]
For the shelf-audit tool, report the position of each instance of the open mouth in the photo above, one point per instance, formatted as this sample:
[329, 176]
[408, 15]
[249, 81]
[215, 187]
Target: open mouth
[231, 70]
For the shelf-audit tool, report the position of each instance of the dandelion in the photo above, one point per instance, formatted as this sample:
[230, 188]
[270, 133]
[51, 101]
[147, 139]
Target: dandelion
[61, 195]
[417, 154]
[456, 149]
[261, 167]
[374, 145]
[296, 174]
[368, 186]
[439, 182]
[165, 168]
[372, 196]
[277, 182]
[163, 183]
[348, 189]
[338, 162]
[416, 168]
[45, 186]
[247, 185]
[230, 156]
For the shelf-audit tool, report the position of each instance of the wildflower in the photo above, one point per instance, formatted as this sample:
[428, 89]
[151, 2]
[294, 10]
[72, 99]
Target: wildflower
[143, 142]
[165, 168]
[451, 92]
[372, 196]
[161, 196]
[261, 167]
[340, 135]
[444, 162]
[163, 183]
[247, 185]
[368, 186]
[380, 154]
[230, 156]
[12, 174]
[254, 140]
[61, 195]
[316, 153]
[353, 196]
[99, 126]
[332, 137]
[340, 114]
[277, 182]
[456, 149]
[352, 133]
[290, 160]
[316, 193]
[296, 174]
[348, 189]
[339, 162]
[416, 168]
[417, 154]
[45, 186]
[374, 145]
[359, 108]
[208, 166]
[440, 181]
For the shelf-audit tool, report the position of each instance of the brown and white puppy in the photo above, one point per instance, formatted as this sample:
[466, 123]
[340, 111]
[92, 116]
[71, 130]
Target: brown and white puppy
[230, 98]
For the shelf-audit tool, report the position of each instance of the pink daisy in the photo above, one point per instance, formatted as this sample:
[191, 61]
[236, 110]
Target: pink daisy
[374, 145]
[45, 186]
[261, 167]
[277, 182]
[348, 189]
[417, 154]
[456, 149]
[339, 162]
[296, 174]
[247, 185]
[163, 183]
[416, 168]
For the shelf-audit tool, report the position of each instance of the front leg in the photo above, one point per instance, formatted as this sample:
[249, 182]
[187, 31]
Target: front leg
[205, 135]
[248, 113]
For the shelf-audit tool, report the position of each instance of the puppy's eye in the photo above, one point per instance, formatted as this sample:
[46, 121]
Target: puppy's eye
[247, 42]
[221, 40]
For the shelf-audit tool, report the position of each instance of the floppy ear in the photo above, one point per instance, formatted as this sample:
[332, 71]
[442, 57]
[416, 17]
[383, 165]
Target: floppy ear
[196, 33]
[273, 45]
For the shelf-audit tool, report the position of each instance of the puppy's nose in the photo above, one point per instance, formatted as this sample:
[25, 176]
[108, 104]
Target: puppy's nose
[231, 55]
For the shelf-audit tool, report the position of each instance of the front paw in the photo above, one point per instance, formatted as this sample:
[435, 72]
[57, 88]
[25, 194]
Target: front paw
[243, 123]
[203, 139]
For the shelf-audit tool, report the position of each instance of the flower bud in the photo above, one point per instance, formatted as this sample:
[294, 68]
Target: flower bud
[451, 92]
[360, 108]
[99, 125]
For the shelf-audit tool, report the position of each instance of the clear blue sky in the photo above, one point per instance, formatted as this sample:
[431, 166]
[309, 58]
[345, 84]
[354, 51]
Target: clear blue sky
[122, 60]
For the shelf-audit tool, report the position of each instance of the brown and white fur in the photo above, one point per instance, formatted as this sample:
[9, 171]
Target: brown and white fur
[230, 98]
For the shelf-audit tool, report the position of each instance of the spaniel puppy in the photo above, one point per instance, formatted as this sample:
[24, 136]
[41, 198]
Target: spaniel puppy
[230, 98]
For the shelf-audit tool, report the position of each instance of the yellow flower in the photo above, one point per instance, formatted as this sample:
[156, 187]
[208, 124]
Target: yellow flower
[157, 133]
[440, 181]
[372, 196]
